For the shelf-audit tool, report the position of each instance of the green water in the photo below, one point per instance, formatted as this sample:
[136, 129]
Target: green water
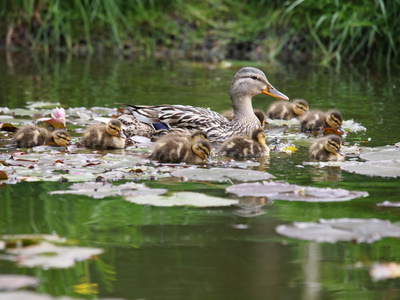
[206, 253]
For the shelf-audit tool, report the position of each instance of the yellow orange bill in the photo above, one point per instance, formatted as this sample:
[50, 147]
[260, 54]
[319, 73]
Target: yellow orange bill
[271, 91]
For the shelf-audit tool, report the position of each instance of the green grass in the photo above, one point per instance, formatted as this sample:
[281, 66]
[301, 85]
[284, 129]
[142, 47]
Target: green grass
[326, 31]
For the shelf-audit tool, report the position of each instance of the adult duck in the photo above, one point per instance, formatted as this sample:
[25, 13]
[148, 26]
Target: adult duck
[247, 83]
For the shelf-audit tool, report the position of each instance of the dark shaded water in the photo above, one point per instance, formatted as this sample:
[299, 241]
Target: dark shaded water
[197, 253]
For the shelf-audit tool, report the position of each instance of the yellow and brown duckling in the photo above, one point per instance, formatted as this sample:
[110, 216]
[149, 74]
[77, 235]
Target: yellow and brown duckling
[178, 147]
[32, 135]
[105, 136]
[315, 120]
[327, 148]
[282, 110]
[246, 146]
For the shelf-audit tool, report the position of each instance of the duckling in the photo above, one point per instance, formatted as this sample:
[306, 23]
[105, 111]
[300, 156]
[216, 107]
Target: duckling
[105, 136]
[315, 120]
[259, 114]
[287, 110]
[246, 146]
[32, 135]
[177, 147]
[327, 148]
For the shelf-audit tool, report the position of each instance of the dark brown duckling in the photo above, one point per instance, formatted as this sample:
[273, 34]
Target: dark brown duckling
[245, 146]
[315, 120]
[178, 147]
[32, 135]
[327, 148]
[282, 110]
[105, 136]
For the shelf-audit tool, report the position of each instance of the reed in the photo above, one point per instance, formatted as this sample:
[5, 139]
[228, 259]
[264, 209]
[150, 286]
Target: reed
[329, 31]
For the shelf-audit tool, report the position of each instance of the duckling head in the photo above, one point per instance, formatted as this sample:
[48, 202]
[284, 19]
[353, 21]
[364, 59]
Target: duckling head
[202, 149]
[61, 137]
[250, 81]
[199, 135]
[258, 135]
[335, 120]
[333, 144]
[300, 106]
[261, 116]
[114, 128]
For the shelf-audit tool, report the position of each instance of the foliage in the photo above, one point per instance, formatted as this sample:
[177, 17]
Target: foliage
[301, 29]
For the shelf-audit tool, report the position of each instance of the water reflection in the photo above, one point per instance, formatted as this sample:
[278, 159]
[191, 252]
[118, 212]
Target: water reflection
[251, 206]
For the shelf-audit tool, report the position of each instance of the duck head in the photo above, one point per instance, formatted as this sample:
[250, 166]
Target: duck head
[61, 137]
[114, 128]
[335, 120]
[333, 144]
[202, 149]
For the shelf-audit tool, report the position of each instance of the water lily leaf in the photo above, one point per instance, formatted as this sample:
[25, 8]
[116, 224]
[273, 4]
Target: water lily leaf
[329, 130]
[42, 104]
[291, 122]
[352, 126]
[39, 250]
[388, 155]
[8, 127]
[382, 271]
[15, 282]
[55, 122]
[388, 204]
[334, 230]
[3, 175]
[183, 199]
[222, 175]
[373, 168]
[100, 190]
[293, 192]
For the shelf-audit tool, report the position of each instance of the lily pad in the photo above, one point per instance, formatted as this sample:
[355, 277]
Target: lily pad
[334, 230]
[23, 295]
[182, 199]
[100, 190]
[40, 251]
[222, 175]
[383, 155]
[388, 204]
[373, 168]
[293, 192]
[15, 282]
[382, 271]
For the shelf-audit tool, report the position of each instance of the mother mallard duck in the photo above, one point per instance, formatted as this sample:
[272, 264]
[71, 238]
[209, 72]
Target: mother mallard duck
[247, 82]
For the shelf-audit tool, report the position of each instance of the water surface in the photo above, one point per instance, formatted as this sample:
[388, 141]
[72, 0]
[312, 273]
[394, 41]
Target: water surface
[213, 253]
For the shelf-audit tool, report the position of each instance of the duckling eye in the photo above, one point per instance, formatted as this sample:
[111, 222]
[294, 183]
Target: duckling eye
[254, 77]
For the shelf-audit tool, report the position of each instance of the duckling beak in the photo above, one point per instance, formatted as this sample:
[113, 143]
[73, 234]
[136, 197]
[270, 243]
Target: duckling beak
[209, 160]
[121, 134]
[271, 91]
[340, 152]
[341, 129]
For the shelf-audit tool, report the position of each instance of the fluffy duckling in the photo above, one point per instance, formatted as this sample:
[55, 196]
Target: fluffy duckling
[287, 110]
[105, 136]
[32, 135]
[259, 114]
[327, 148]
[315, 120]
[178, 147]
[246, 146]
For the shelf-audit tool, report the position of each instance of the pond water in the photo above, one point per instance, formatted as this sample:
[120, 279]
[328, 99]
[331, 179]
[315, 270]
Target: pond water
[187, 252]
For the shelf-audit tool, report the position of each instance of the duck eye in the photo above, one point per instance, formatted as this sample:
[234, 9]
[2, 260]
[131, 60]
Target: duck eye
[254, 77]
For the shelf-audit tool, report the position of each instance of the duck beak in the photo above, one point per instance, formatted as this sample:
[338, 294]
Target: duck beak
[208, 159]
[271, 91]
[341, 129]
[340, 152]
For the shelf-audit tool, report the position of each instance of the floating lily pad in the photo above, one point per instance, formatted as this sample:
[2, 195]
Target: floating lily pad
[334, 230]
[182, 199]
[382, 271]
[222, 175]
[15, 282]
[39, 251]
[99, 190]
[293, 192]
[383, 155]
[373, 168]
[388, 204]
[352, 126]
